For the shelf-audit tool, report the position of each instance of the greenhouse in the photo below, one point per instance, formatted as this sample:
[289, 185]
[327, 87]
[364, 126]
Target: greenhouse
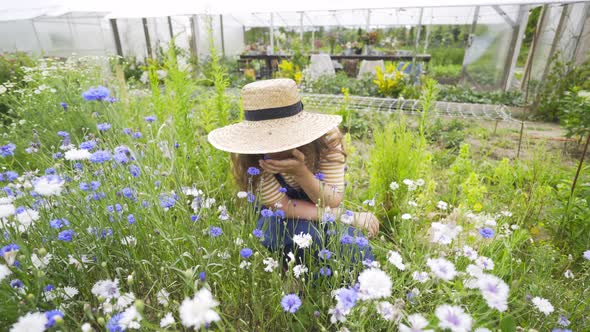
[326, 166]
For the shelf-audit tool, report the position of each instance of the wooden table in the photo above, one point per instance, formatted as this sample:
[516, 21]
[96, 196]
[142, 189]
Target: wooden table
[269, 58]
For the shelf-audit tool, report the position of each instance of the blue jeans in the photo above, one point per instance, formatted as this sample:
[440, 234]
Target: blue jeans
[278, 235]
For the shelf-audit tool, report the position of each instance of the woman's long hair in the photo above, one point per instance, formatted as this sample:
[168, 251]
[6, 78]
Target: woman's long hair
[314, 152]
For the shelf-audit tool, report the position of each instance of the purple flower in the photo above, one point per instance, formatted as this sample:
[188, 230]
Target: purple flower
[126, 131]
[346, 239]
[50, 171]
[11, 175]
[134, 170]
[586, 254]
[121, 158]
[150, 118]
[347, 297]
[98, 93]
[194, 218]
[320, 176]
[361, 242]
[66, 235]
[325, 254]
[202, 276]
[258, 233]
[103, 126]
[16, 283]
[251, 197]
[7, 150]
[137, 134]
[563, 321]
[52, 315]
[48, 288]
[167, 201]
[95, 185]
[328, 217]
[88, 145]
[280, 213]
[283, 190]
[291, 303]
[8, 248]
[215, 231]
[110, 99]
[64, 106]
[486, 232]
[63, 134]
[100, 156]
[131, 219]
[246, 253]
[266, 213]
[59, 223]
[325, 271]
[113, 323]
[57, 155]
[253, 171]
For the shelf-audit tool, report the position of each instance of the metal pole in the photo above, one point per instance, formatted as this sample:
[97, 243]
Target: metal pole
[529, 62]
[514, 48]
[301, 28]
[115, 29]
[272, 33]
[313, 39]
[580, 165]
[147, 37]
[222, 37]
[417, 45]
[170, 27]
[520, 139]
[368, 19]
[194, 32]
[471, 35]
[581, 29]
[556, 38]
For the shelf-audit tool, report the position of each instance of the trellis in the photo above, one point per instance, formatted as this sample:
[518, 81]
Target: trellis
[408, 106]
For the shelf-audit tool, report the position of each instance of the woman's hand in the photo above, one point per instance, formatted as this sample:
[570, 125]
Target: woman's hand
[294, 166]
[367, 221]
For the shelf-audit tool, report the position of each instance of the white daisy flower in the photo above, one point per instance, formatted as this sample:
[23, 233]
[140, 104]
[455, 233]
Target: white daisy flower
[442, 268]
[417, 323]
[167, 320]
[270, 263]
[303, 240]
[31, 322]
[420, 277]
[299, 270]
[543, 305]
[199, 310]
[374, 284]
[453, 318]
[396, 260]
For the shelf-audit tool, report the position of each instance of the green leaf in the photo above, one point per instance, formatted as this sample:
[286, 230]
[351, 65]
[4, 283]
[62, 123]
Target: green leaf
[507, 324]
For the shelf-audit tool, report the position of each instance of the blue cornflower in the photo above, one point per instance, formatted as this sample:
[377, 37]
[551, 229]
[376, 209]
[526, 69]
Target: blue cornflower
[126, 131]
[176, 145]
[122, 149]
[52, 315]
[113, 323]
[118, 207]
[84, 186]
[134, 170]
[57, 155]
[66, 235]
[150, 118]
[95, 185]
[7, 150]
[111, 99]
[121, 158]
[266, 213]
[194, 218]
[11, 175]
[253, 171]
[282, 190]
[16, 283]
[291, 303]
[561, 330]
[202, 276]
[98, 93]
[88, 145]
[325, 254]
[346, 239]
[328, 217]
[486, 232]
[215, 231]
[106, 232]
[258, 233]
[325, 271]
[100, 156]
[128, 193]
[251, 197]
[59, 223]
[103, 126]
[8, 248]
[280, 213]
[361, 242]
[131, 219]
[137, 134]
[246, 253]
[347, 297]
[48, 288]
[64, 105]
[167, 201]
[411, 297]
[50, 171]
[563, 321]
[320, 176]
[63, 134]
[79, 166]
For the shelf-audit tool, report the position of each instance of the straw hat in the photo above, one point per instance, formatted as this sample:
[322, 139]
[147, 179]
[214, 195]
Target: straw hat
[274, 121]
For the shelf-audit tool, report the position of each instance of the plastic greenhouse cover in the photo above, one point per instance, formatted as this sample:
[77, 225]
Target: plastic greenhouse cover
[27, 9]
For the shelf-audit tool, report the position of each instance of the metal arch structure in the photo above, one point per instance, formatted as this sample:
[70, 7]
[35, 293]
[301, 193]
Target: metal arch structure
[408, 106]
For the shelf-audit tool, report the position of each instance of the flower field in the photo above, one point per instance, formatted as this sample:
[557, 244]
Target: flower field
[117, 215]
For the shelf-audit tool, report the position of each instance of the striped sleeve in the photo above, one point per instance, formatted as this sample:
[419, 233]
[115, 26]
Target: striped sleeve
[269, 190]
[332, 166]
